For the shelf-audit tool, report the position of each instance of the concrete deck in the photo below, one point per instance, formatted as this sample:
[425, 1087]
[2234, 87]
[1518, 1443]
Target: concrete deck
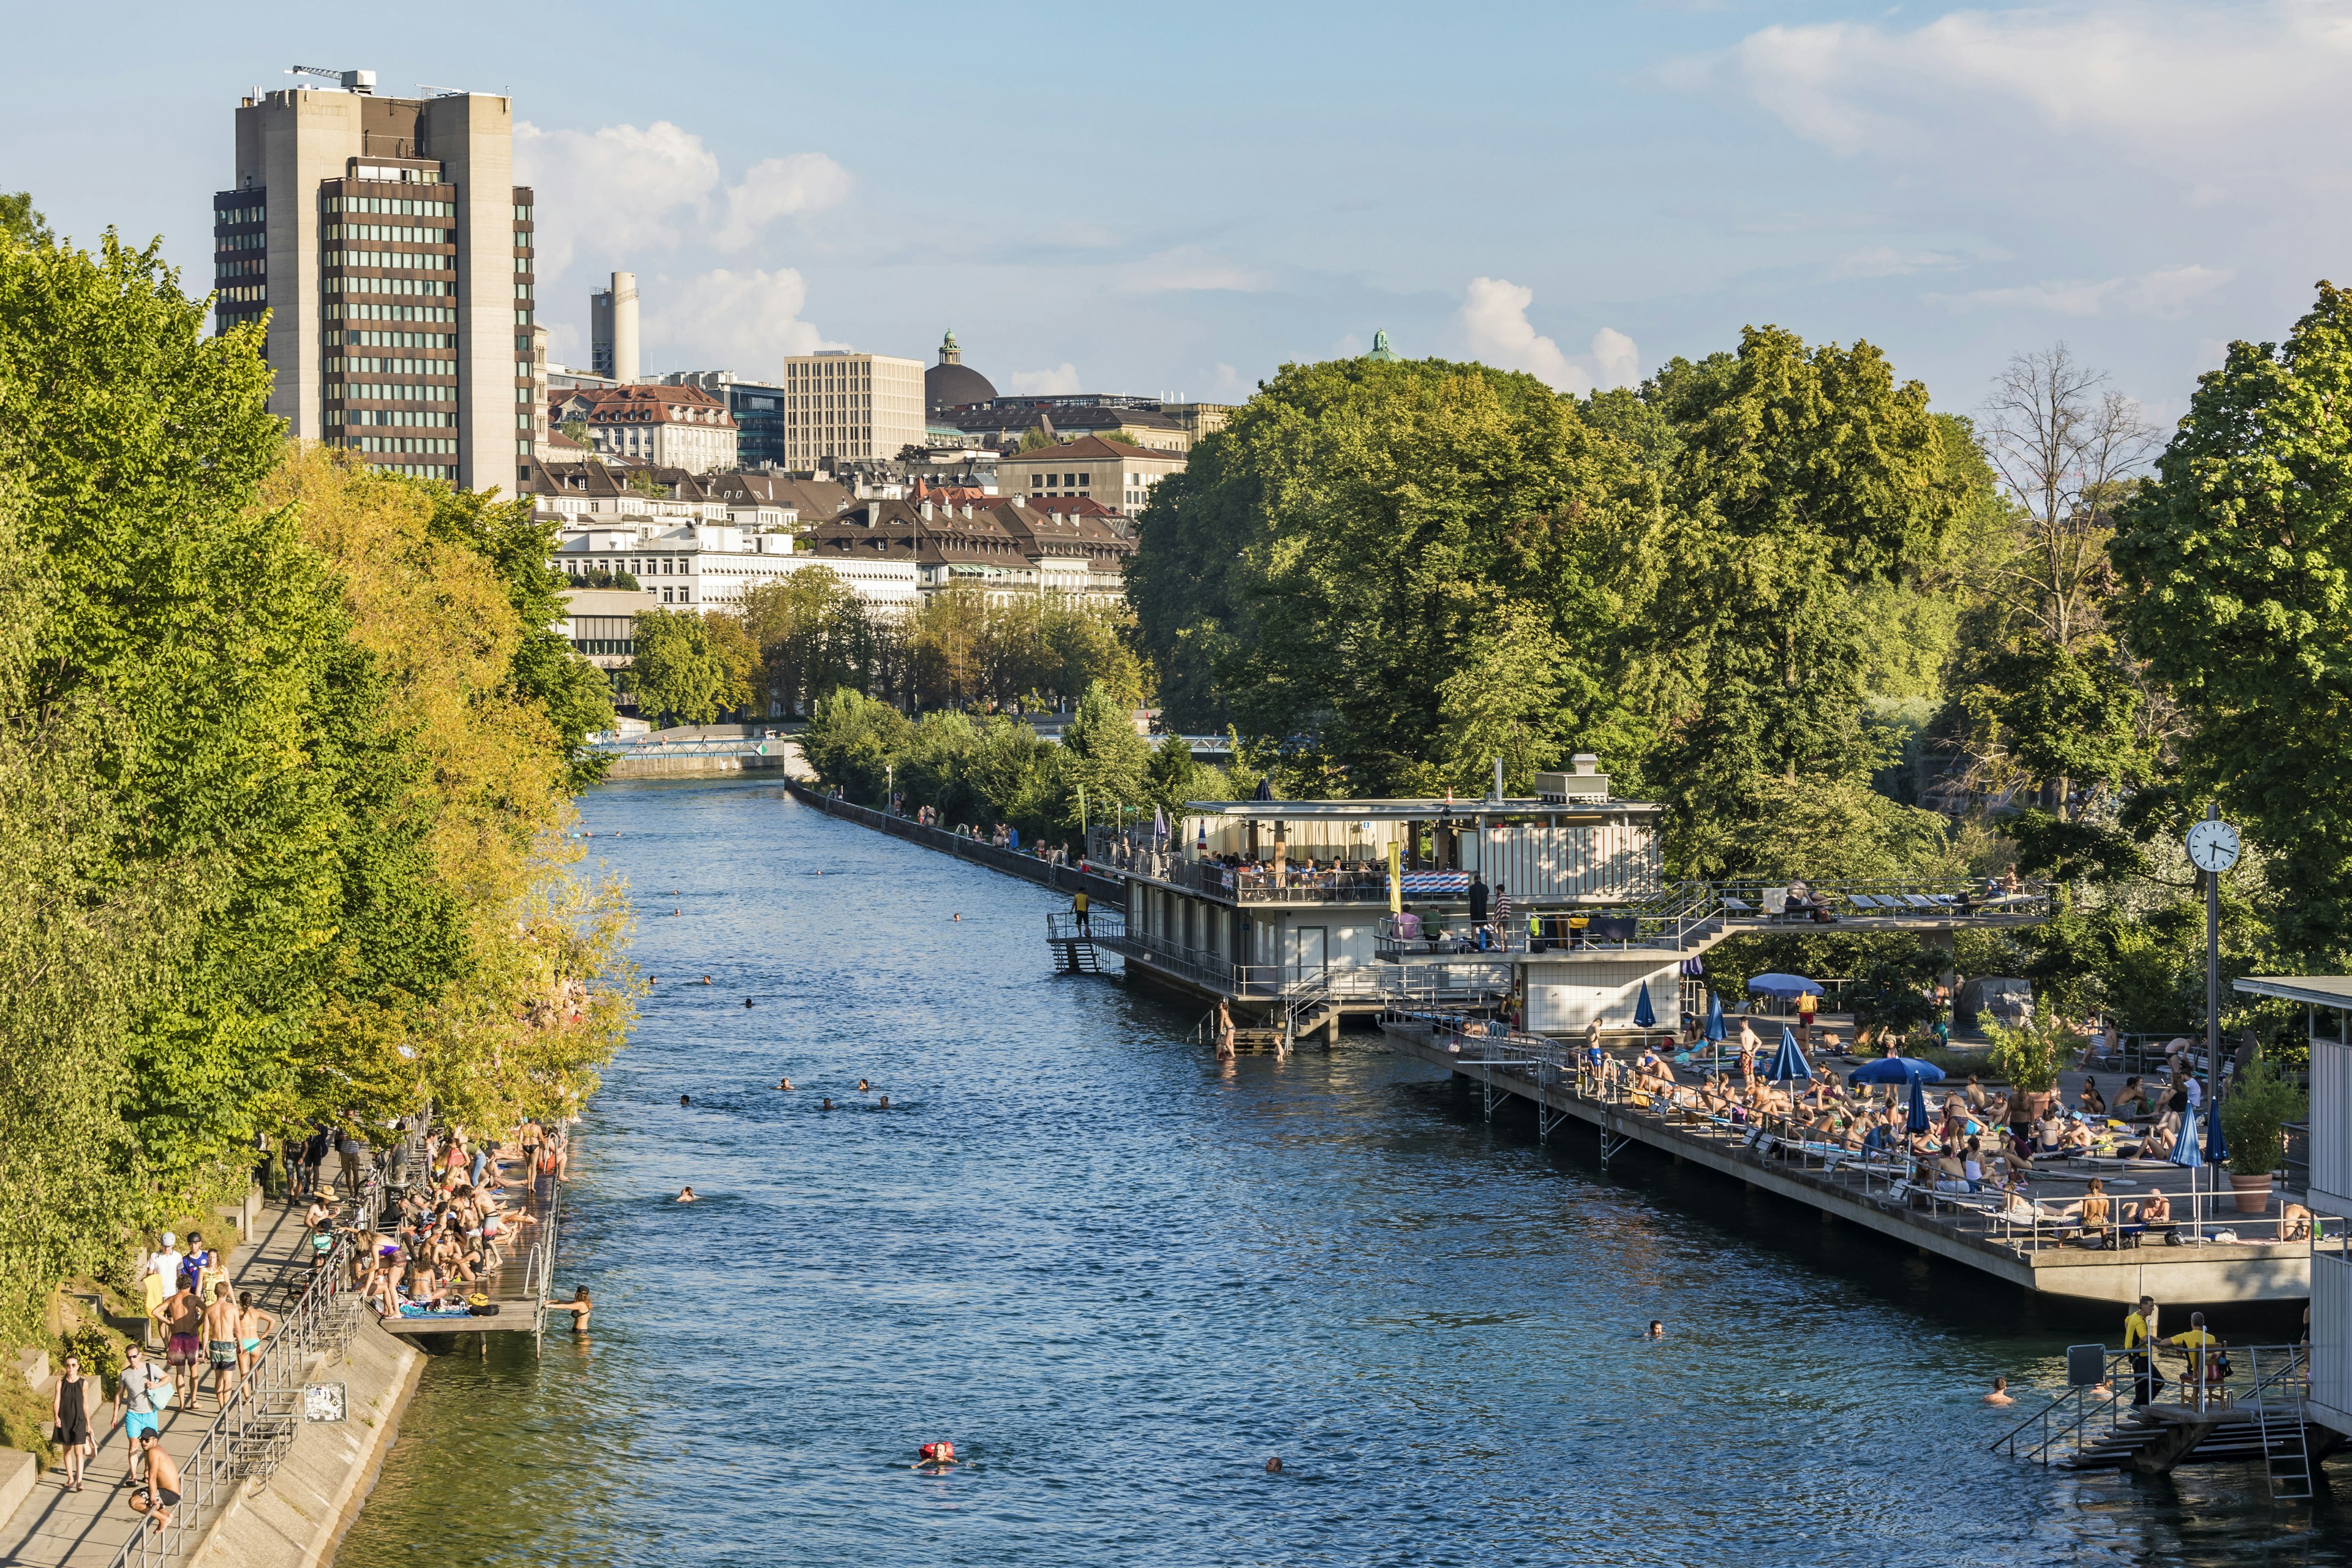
[2217, 1273]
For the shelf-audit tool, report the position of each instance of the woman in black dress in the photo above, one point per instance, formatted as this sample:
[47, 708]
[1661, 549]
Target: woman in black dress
[69, 1407]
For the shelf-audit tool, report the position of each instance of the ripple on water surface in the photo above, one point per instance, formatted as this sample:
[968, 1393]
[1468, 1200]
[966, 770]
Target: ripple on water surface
[1119, 1278]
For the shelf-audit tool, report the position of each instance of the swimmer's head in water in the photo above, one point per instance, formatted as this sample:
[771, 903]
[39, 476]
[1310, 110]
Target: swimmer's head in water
[1273, 1465]
[938, 1453]
[828, 1102]
[685, 1100]
[885, 1103]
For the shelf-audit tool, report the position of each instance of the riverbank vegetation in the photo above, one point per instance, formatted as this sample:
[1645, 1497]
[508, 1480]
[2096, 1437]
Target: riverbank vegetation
[285, 753]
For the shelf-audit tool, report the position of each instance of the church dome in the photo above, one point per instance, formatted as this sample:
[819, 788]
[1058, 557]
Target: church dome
[950, 384]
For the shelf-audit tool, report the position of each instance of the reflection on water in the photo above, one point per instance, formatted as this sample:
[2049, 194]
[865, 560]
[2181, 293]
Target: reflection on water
[1119, 1278]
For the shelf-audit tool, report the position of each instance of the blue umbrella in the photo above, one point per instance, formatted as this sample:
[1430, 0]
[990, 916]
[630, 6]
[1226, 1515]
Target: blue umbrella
[1788, 1062]
[1644, 1016]
[2217, 1148]
[1919, 1120]
[1715, 1016]
[1784, 985]
[2184, 1147]
[1896, 1069]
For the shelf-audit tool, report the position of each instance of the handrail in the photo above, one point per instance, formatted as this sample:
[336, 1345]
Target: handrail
[2121, 1369]
[250, 1436]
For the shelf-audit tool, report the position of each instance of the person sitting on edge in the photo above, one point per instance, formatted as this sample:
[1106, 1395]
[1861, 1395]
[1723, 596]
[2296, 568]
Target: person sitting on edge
[161, 1494]
[2090, 1215]
[2295, 1222]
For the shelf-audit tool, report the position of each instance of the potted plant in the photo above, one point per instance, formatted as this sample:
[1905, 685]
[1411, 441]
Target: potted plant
[2028, 1058]
[2255, 1115]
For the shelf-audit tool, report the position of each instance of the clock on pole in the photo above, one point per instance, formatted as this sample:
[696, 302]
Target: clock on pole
[2213, 844]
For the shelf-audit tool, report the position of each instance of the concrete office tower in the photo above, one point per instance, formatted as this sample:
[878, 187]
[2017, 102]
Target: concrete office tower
[851, 405]
[391, 248]
[612, 329]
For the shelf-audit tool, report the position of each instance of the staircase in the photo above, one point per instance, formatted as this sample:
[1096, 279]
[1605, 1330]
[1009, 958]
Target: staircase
[1307, 1005]
[2265, 1421]
[1073, 940]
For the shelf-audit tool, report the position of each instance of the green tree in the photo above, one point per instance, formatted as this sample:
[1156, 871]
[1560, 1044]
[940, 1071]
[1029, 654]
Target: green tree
[642, 482]
[676, 674]
[1015, 776]
[2236, 568]
[19, 223]
[814, 635]
[1101, 752]
[853, 741]
[1802, 477]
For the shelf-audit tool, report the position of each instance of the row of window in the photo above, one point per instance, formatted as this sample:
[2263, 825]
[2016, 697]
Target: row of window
[402, 443]
[248, 293]
[370, 311]
[240, 242]
[418, 470]
[429, 287]
[389, 233]
[391, 206]
[255, 212]
[392, 393]
[607, 648]
[419, 260]
[343, 337]
[253, 269]
[406, 416]
[387, 366]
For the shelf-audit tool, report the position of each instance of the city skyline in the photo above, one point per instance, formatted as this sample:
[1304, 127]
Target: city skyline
[1128, 208]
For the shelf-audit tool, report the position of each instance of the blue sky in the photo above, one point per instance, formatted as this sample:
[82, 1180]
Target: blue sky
[1179, 199]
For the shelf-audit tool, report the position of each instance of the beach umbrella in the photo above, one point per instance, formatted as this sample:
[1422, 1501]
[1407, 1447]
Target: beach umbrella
[1784, 985]
[2184, 1147]
[2217, 1148]
[1896, 1069]
[1159, 823]
[1644, 1016]
[1918, 1117]
[1788, 1062]
[1715, 1016]
[1264, 790]
[1694, 967]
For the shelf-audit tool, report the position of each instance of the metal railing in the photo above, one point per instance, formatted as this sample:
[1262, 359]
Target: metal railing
[2091, 1413]
[250, 1436]
[1103, 925]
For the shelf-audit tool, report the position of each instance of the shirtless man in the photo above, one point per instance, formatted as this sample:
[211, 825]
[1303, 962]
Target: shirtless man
[161, 1494]
[183, 1317]
[222, 1332]
[2000, 1394]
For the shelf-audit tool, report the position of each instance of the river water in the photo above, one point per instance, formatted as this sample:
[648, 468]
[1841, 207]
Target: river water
[1119, 1278]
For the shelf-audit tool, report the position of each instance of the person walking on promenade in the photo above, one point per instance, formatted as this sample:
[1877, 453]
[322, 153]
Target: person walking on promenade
[1078, 907]
[253, 1326]
[73, 1413]
[314, 1160]
[346, 1145]
[220, 1340]
[184, 1319]
[2139, 1335]
[142, 1393]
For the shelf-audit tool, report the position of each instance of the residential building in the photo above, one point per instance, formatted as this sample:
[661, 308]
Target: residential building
[1004, 422]
[612, 329]
[852, 405]
[1006, 549]
[1114, 473]
[758, 411]
[705, 565]
[392, 253]
[672, 427]
[539, 434]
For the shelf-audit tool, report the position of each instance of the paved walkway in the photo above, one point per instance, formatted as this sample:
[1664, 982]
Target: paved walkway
[56, 1527]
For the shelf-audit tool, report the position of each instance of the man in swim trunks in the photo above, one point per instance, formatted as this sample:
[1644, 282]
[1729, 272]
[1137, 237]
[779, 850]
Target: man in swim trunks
[183, 1315]
[221, 1334]
[141, 1394]
[162, 1494]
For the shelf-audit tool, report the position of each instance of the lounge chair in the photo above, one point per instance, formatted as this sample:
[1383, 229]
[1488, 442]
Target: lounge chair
[1862, 900]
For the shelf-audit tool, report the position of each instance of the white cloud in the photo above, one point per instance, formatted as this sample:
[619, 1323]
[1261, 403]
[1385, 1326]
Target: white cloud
[2165, 293]
[781, 187]
[1061, 379]
[744, 322]
[622, 192]
[1495, 321]
[2158, 81]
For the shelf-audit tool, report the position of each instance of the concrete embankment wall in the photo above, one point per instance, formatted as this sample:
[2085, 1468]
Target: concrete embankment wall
[1068, 879]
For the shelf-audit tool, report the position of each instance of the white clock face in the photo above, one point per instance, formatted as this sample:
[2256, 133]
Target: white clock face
[2212, 846]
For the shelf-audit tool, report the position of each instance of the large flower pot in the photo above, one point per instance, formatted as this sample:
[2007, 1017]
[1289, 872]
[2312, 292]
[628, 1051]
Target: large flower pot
[2254, 1193]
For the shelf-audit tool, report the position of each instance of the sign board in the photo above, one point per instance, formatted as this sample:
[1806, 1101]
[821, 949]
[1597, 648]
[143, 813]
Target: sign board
[324, 1402]
[2085, 1364]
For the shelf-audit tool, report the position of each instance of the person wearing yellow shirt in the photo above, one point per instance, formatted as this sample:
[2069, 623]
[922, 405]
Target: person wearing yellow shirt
[2140, 1334]
[2205, 1362]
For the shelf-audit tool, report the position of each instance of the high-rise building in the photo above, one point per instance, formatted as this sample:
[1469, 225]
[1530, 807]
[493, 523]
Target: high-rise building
[612, 329]
[843, 404]
[388, 242]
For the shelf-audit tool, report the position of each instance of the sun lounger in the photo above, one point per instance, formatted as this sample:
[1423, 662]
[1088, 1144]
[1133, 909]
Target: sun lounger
[1862, 900]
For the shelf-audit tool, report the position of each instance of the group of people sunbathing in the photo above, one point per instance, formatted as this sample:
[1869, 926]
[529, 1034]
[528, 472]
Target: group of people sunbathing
[447, 1236]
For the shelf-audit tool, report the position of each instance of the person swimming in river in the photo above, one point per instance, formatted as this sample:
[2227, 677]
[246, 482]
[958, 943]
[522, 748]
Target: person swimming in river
[828, 1103]
[861, 1086]
[686, 1196]
[935, 1458]
[783, 1083]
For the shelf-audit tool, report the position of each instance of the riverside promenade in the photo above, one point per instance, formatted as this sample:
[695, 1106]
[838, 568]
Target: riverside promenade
[1889, 1196]
[268, 1482]
[1106, 892]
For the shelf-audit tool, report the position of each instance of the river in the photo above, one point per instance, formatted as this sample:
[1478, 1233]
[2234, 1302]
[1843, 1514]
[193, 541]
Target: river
[1120, 1279]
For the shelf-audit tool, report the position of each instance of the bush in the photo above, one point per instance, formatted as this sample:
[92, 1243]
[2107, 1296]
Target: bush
[2255, 1115]
[101, 1350]
[2028, 1058]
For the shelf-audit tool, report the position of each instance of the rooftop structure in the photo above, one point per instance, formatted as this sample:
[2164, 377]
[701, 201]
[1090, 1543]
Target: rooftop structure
[612, 329]
[952, 383]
